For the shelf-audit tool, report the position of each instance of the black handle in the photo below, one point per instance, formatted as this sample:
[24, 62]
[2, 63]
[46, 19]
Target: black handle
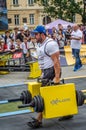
[14, 100]
[24, 105]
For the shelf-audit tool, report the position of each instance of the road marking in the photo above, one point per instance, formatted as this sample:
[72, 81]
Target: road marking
[14, 113]
[13, 85]
[74, 77]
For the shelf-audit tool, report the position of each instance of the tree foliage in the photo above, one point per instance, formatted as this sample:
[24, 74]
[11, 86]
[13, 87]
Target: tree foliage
[63, 9]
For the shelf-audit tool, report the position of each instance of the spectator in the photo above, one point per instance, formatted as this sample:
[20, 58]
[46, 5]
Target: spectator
[3, 47]
[81, 28]
[84, 33]
[21, 35]
[25, 47]
[60, 27]
[15, 33]
[61, 39]
[11, 45]
[27, 33]
[32, 43]
[76, 37]
[67, 34]
[18, 44]
[7, 37]
[54, 36]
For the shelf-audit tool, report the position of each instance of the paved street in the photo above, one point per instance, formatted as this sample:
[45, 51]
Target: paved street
[22, 77]
[18, 122]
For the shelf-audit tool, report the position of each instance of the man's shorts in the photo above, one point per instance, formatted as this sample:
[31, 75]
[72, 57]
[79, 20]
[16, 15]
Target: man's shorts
[49, 73]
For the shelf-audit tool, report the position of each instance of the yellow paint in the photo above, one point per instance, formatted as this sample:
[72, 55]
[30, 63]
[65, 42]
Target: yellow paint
[59, 100]
[68, 54]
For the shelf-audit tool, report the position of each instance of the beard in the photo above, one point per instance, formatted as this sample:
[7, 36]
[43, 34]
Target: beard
[40, 40]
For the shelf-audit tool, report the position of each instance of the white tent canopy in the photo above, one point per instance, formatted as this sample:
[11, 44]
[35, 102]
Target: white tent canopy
[56, 22]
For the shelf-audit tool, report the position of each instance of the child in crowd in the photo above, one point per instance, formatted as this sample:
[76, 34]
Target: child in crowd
[3, 47]
[11, 45]
[18, 44]
[25, 47]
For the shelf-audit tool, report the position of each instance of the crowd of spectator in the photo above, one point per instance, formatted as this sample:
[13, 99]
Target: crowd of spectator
[23, 38]
[62, 35]
[19, 39]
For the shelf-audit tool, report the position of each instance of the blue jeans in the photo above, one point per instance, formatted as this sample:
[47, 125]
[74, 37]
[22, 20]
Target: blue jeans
[76, 53]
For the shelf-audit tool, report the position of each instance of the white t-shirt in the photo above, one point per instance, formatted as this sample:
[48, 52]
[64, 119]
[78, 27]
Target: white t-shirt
[76, 44]
[24, 48]
[51, 47]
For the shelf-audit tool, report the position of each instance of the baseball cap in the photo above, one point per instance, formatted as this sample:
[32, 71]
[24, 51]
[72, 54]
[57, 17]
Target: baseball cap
[39, 29]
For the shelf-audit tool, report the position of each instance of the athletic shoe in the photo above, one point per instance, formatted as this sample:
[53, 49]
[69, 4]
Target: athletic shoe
[80, 66]
[65, 118]
[34, 123]
[75, 69]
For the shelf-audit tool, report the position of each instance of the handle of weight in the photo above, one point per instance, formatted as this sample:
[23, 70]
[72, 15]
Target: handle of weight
[14, 100]
[40, 80]
[25, 105]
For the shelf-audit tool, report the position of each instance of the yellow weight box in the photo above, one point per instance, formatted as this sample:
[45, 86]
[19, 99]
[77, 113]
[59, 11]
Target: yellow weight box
[34, 88]
[35, 71]
[59, 100]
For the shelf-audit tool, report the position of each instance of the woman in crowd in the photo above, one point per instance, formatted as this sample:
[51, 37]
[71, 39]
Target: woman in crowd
[61, 39]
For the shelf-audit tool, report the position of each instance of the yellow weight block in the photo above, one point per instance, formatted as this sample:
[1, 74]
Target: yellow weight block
[35, 71]
[4, 72]
[59, 100]
[3, 63]
[34, 88]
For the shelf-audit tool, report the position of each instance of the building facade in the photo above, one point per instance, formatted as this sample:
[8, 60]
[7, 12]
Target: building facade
[26, 11]
[78, 18]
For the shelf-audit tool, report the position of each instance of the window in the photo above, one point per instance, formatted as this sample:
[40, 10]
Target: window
[15, 2]
[24, 20]
[74, 18]
[16, 18]
[9, 20]
[30, 2]
[31, 16]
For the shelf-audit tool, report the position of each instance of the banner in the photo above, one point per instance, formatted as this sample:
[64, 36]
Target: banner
[6, 57]
[17, 55]
[3, 15]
